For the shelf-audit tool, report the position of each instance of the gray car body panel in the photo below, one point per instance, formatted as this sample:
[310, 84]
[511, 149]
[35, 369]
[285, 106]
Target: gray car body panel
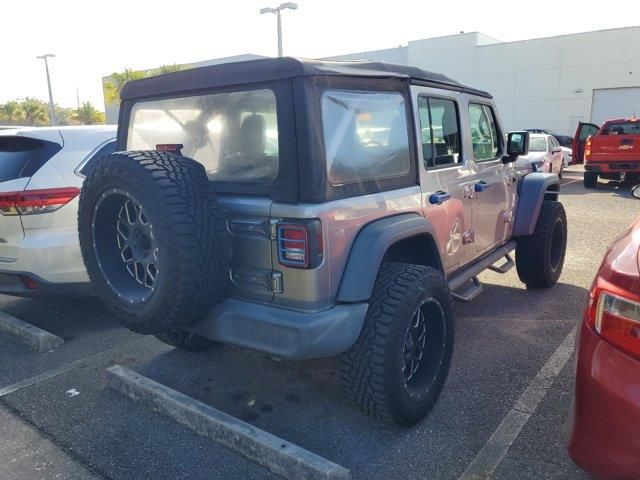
[532, 191]
[369, 248]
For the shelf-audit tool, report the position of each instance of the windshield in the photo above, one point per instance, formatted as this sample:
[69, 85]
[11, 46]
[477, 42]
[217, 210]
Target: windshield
[233, 135]
[537, 144]
[622, 128]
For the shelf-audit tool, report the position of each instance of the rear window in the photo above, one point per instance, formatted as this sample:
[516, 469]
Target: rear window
[622, 128]
[234, 135]
[365, 135]
[537, 144]
[22, 156]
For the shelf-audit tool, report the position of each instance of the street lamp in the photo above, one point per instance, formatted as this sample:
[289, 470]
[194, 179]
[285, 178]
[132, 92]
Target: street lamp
[52, 111]
[277, 10]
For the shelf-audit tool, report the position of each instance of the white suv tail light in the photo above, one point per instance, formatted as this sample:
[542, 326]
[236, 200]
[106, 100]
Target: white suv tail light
[30, 202]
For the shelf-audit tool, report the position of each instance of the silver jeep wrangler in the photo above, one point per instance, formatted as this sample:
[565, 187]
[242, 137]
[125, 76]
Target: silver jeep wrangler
[308, 209]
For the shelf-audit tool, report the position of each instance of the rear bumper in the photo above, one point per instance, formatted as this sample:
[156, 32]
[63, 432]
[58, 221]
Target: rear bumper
[284, 333]
[21, 284]
[605, 438]
[613, 167]
[51, 254]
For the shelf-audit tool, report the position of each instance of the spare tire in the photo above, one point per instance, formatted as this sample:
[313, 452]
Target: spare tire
[153, 239]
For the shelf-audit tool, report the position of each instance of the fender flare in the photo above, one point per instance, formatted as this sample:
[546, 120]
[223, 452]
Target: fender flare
[369, 248]
[531, 193]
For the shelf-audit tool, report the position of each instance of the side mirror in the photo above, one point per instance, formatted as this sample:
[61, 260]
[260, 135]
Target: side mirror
[517, 144]
[556, 150]
[635, 191]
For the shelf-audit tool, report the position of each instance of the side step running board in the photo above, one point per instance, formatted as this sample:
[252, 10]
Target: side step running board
[505, 267]
[471, 291]
[470, 272]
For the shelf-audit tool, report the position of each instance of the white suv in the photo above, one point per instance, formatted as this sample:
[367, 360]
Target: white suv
[40, 179]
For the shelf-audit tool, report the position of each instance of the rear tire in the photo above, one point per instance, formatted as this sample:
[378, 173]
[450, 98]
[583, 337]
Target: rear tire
[540, 256]
[153, 239]
[186, 341]
[590, 180]
[398, 366]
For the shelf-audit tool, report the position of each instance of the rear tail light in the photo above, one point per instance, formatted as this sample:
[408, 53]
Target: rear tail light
[300, 245]
[30, 202]
[29, 282]
[587, 149]
[615, 315]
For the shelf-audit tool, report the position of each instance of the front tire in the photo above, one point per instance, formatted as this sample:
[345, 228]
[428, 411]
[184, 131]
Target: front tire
[540, 256]
[398, 366]
[590, 180]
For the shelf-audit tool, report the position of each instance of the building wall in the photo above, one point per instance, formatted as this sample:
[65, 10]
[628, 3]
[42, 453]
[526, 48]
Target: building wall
[544, 83]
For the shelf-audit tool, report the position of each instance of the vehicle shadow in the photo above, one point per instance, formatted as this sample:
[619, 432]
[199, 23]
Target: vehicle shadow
[615, 188]
[301, 401]
[64, 317]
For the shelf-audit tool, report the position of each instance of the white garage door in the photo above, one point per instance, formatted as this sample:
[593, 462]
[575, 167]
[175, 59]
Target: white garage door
[611, 103]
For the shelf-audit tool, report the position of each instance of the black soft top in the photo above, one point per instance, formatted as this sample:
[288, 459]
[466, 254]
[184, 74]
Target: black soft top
[268, 69]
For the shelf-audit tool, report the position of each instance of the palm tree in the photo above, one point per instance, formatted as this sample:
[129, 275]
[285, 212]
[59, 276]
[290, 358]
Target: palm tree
[88, 115]
[36, 112]
[11, 113]
[113, 86]
[64, 116]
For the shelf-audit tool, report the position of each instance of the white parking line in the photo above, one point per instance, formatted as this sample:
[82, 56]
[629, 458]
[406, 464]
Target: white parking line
[278, 455]
[492, 453]
[65, 368]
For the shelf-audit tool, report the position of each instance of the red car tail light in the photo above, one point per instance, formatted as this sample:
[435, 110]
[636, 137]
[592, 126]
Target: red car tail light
[587, 149]
[30, 202]
[615, 315]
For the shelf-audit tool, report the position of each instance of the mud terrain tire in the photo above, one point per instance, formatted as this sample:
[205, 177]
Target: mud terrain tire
[153, 239]
[540, 256]
[374, 371]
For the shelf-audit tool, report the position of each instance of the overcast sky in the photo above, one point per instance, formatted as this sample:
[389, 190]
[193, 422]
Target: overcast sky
[91, 39]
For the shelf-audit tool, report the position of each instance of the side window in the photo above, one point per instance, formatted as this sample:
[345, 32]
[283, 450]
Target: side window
[440, 132]
[365, 135]
[484, 133]
[586, 131]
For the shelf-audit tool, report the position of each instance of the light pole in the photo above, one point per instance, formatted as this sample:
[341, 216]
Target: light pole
[277, 10]
[52, 111]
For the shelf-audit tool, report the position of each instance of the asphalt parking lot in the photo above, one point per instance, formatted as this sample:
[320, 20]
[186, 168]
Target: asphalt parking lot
[503, 340]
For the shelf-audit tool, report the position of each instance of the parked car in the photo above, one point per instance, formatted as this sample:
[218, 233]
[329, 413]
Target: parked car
[567, 156]
[611, 151]
[605, 433]
[563, 140]
[545, 155]
[39, 187]
[299, 208]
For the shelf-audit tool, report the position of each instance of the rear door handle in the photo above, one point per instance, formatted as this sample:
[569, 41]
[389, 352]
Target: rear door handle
[439, 197]
[481, 186]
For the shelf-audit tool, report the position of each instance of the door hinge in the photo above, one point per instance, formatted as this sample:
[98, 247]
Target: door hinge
[273, 229]
[276, 282]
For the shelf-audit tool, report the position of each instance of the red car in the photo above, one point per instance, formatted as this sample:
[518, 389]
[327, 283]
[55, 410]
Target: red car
[605, 430]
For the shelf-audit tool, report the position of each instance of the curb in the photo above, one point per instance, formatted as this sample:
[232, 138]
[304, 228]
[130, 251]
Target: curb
[278, 455]
[34, 337]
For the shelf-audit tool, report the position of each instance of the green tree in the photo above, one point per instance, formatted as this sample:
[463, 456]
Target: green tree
[36, 112]
[11, 113]
[88, 115]
[113, 85]
[64, 116]
[169, 68]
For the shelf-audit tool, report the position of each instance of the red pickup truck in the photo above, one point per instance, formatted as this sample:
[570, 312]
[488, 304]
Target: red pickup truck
[611, 151]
